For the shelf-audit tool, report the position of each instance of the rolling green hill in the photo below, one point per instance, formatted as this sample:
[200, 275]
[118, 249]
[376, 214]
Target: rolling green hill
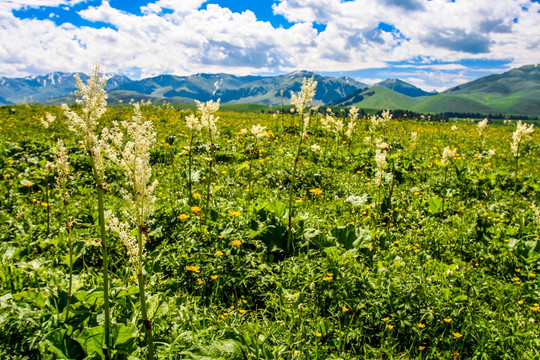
[514, 92]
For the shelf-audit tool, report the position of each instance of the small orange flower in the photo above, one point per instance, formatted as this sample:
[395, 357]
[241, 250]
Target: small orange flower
[193, 268]
[219, 253]
[457, 335]
[183, 216]
[235, 213]
[236, 243]
[196, 209]
[214, 277]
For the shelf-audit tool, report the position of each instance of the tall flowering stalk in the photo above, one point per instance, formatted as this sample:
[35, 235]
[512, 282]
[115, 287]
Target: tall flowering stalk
[522, 135]
[381, 151]
[447, 158]
[194, 125]
[131, 143]
[353, 121]
[301, 100]
[61, 165]
[258, 131]
[208, 122]
[380, 122]
[93, 99]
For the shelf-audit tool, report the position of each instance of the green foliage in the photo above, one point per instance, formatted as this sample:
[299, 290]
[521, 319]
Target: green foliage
[374, 273]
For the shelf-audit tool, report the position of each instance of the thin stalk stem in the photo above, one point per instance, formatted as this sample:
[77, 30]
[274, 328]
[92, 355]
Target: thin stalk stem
[208, 181]
[48, 205]
[142, 298]
[293, 180]
[515, 184]
[70, 244]
[190, 178]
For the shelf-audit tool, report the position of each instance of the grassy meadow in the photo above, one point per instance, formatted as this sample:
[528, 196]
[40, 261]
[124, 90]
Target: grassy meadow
[401, 239]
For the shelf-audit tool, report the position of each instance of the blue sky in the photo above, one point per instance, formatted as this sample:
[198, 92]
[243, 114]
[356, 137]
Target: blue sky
[433, 44]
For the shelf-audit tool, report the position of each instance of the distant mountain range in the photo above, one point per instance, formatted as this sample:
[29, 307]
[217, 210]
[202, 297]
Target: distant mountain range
[59, 87]
[516, 91]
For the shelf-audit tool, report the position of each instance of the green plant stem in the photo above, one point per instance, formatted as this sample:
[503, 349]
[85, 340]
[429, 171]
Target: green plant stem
[70, 244]
[190, 178]
[515, 184]
[250, 167]
[142, 298]
[208, 181]
[48, 205]
[444, 186]
[291, 192]
[105, 254]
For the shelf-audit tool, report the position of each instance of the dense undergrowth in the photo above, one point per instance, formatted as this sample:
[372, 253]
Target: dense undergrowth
[433, 260]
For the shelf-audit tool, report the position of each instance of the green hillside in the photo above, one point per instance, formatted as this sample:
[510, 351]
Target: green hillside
[380, 97]
[446, 103]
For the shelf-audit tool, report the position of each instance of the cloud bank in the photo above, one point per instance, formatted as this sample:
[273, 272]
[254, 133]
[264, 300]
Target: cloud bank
[186, 37]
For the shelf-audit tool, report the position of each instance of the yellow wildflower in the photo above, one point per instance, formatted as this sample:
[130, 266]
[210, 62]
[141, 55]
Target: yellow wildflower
[193, 268]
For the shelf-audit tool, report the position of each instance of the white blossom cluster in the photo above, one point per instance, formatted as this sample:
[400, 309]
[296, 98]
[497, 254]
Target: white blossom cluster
[414, 136]
[303, 99]
[48, 120]
[353, 118]
[448, 155]
[327, 122]
[93, 99]
[536, 211]
[193, 124]
[128, 145]
[522, 134]
[356, 200]
[380, 159]
[380, 122]
[124, 234]
[61, 163]
[208, 119]
[482, 126]
[258, 131]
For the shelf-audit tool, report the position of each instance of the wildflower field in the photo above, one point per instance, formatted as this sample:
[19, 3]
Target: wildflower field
[150, 231]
